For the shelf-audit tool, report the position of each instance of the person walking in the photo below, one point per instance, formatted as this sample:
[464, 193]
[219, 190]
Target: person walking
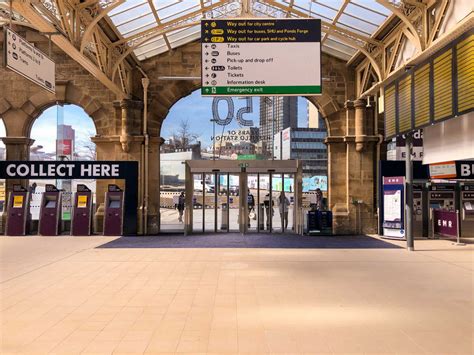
[283, 204]
[319, 200]
[251, 206]
[180, 206]
[268, 203]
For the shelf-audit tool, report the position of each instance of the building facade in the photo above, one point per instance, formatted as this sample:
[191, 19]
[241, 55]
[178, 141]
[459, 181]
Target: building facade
[286, 116]
[305, 144]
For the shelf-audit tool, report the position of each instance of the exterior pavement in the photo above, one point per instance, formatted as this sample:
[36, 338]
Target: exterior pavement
[358, 295]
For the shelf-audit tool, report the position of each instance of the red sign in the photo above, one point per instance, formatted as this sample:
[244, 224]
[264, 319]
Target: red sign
[445, 223]
[444, 170]
[64, 147]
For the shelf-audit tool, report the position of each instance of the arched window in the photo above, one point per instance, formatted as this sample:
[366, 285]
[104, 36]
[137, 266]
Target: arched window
[62, 132]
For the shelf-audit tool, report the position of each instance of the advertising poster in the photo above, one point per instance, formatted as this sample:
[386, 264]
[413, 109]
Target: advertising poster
[315, 182]
[393, 207]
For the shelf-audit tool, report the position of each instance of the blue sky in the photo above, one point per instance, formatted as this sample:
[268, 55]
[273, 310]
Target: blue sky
[199, 111]
[195, 107]
[44, 129]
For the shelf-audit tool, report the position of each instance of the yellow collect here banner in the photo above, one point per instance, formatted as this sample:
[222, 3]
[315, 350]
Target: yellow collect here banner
[17, 201]
[82, 201]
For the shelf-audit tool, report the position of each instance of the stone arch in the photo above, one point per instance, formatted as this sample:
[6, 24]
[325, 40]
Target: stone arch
[325, 104]
[67, 93]
[160, 108]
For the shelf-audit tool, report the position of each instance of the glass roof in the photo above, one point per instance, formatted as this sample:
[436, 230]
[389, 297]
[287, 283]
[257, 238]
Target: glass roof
[151, 27]
[156, 26]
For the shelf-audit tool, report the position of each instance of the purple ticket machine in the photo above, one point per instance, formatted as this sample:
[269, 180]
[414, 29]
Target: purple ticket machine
[18, 211]
[113, 214]
[82, 211]
[50, 211]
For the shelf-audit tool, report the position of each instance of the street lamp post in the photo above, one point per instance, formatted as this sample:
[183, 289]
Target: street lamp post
[213, 138]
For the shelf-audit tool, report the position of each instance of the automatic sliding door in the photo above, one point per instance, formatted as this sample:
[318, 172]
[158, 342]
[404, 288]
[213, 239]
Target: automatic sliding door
[209, 203]
[198, 203]
[234, 199]
[222, 188]
[252, 201]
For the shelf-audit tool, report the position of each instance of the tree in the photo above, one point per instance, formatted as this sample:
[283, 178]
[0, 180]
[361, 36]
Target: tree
[183, 137]
[85, 148]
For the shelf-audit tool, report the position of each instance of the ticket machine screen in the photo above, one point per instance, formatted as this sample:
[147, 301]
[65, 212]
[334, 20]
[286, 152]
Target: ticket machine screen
[114, 203]
[50, 202]
[17, 201]
[435, 204]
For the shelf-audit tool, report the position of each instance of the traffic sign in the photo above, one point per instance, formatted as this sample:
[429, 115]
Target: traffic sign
[258, 57]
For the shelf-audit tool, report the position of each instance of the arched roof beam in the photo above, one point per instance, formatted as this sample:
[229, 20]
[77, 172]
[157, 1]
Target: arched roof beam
[413, 37]
[33, 15]
[95, 21]
[144, 41]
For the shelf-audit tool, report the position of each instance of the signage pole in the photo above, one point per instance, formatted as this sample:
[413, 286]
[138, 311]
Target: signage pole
[273, 128]
[409, 193]
[11, 13]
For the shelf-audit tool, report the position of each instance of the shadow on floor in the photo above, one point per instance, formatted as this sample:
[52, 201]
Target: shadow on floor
[237, 240]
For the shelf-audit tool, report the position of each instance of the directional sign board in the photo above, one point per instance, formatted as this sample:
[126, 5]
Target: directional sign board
[23, 58]
[258, 57]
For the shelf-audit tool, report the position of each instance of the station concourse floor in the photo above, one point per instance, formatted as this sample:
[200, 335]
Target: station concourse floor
[282, 294]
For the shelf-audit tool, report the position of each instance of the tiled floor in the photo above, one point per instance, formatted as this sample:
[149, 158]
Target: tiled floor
[64, 295]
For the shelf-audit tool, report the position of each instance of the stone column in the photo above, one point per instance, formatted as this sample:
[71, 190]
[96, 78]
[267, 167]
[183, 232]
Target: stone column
[360, 124]
[351, 171]
[153, 222]
[360, 161]
[17, 148]
[110, 148]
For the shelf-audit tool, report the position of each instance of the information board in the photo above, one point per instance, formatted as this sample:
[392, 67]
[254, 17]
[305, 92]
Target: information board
[393, 207]
[258, 57]
[23, 58]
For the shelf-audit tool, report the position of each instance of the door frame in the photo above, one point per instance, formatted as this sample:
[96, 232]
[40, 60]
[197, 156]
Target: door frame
[242, 168]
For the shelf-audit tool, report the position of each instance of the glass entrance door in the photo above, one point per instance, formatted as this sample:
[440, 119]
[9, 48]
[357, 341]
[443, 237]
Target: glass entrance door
[243, 202]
